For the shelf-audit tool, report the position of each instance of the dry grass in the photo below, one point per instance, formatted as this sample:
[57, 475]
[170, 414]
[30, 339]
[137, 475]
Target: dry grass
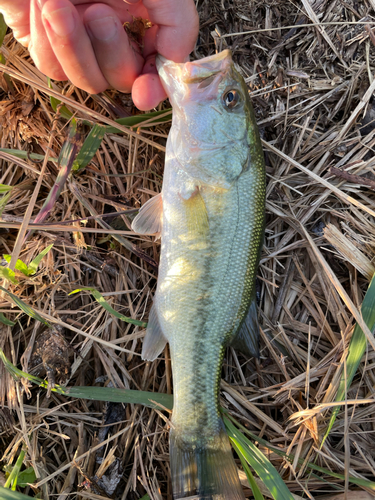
[312, 91]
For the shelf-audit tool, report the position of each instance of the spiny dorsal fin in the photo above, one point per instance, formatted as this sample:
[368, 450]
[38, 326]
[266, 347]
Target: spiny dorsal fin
[154, 341]
[150, 216]
[246, 339]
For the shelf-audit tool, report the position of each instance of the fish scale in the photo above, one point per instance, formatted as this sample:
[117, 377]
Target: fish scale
[211, 224]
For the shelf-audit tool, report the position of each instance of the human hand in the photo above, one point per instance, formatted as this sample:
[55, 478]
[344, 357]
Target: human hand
[84, 41]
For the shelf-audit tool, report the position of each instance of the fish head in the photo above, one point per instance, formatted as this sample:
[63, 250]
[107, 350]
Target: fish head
[212, 114]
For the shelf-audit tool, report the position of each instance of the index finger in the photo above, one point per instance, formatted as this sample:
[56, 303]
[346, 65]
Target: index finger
[178, 24]
[16, 15]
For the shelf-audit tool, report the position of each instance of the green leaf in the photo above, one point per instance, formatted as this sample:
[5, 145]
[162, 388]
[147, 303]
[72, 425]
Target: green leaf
[25, 307]
[8, 274]
[99, 298]
[20, 266]
[64, 111]
[33, 266]
[6, 321]
[3, 29]
[357, 347]
[25, 477]
[89, 148]
[262, 466]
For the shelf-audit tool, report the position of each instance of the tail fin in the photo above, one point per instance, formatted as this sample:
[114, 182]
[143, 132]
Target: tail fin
[204, 473]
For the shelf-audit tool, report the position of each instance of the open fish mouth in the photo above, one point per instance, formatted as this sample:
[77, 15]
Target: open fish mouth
[201, 70]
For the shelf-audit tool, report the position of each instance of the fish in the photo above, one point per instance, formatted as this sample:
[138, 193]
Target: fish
[210, 218]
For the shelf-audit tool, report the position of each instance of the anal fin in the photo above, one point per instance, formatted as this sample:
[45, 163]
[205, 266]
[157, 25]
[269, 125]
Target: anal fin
[246, 338]
[150, 216]
[154, 341]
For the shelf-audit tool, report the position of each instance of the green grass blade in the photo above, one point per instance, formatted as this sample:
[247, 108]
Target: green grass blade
[13, 476]
[254, 487]
[112, 394]
[290, 458]
[357, 347]
[20, 265]
[8, 274]
[99, 298]
[6, 494]
[24, 307]
[5, 321]
[24, 155]
[66, 159]
[17, 373]
[129, 121]
[137, 120]
[149, 399]
[64, 111]
[4, 200]
[34, 264]
[262, 466]
[5, 189]
[89, 148]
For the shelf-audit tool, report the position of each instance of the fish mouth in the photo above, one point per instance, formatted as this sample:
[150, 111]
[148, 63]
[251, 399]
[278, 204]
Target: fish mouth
[200, 70]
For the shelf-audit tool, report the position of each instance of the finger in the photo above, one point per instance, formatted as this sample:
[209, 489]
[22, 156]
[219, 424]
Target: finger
[147, 89]
[119, 62]
[16, 15]
[178, 24]
[71, 45]
[40, 49]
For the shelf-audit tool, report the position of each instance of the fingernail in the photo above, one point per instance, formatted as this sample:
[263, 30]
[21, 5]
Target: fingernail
[61, 21]
[103, 29]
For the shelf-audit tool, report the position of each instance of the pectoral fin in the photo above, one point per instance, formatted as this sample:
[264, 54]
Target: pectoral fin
[150, 216]
[246, 339]
[154, 341]
[196, 214]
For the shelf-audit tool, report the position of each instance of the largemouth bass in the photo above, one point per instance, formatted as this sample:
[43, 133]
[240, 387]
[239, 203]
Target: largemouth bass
[210, 215]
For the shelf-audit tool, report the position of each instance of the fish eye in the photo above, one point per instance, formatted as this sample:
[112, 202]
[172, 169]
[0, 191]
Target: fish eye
[231, 98]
